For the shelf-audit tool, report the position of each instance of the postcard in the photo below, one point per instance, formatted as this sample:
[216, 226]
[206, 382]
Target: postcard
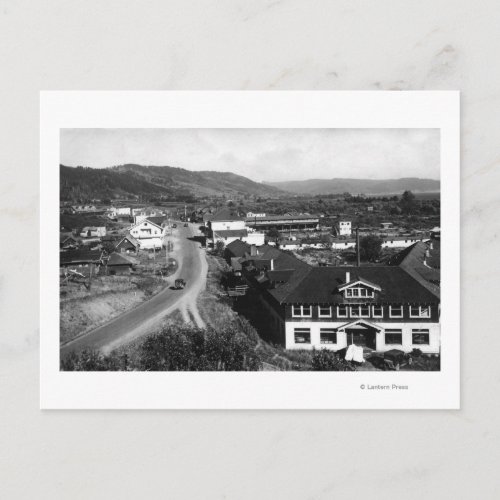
[250, 250]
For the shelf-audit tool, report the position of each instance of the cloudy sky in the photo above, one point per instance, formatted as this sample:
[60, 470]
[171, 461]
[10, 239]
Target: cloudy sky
[262, 154]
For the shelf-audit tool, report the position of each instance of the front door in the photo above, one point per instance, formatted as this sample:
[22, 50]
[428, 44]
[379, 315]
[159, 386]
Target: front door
[361, 337]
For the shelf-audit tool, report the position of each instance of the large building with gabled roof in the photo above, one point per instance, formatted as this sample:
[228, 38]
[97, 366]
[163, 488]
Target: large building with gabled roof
[377, 307]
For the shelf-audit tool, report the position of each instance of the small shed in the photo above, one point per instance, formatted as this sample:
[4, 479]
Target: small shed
[120, 264]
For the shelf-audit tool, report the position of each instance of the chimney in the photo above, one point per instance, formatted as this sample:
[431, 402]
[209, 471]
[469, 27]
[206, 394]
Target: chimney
[253, 250]
[272, 264]
[347, 276]
[358, 262]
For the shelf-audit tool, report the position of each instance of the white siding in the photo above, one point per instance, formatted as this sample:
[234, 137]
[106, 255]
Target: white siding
[407, 346]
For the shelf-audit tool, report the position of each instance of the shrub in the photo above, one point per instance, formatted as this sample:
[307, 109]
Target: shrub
[325, 360]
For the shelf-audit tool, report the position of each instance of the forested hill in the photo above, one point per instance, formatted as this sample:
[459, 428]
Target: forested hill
[359, 186]
[84, 183]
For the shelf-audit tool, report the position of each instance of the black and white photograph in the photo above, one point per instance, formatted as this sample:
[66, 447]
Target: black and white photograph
[250, 249]
[263, 250]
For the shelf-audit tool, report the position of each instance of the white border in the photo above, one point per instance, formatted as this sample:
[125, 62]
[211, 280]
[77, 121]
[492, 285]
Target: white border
[234, 109]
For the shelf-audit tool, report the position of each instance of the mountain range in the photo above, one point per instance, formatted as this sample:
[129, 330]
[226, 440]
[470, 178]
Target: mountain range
[172, 183]
[84, 183]
[358, 186]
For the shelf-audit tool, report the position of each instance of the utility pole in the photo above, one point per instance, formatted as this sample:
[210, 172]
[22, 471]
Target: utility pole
[358, 263]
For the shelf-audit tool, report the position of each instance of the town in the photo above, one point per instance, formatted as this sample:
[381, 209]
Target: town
[344, 282]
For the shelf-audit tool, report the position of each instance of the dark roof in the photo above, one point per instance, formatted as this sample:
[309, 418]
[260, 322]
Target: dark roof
[116, 259]
[158, 219]
[320, 285]
[411, 259]
[231, 233]
[280, 276]
[80, 256]
[225, 214]
[238, 248]
[295, 269]
[130, 238]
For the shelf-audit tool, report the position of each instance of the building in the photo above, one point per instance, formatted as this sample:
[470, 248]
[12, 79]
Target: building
[161, 220]
[148, 234]
[227, 226]
[68, 242]
[379, 308]
[344, 228]
[93, 232]
[251, 215]
[141, 214]
[128, 244]
[81, 209]
[226, 219]
[303, 222]
[343, 243]
[80, 258]
[423, 262]
[120, 264]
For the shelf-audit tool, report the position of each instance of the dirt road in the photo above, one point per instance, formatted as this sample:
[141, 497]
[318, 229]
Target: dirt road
[144, 318]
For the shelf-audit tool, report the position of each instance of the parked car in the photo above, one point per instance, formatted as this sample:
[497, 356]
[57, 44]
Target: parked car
[180, 284]
[174, 225]
[185, 224]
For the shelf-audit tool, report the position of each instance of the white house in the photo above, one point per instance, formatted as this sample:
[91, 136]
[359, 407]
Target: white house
[344, 228]
[93, 231]
[401, 241]
[149, 234]
[343, 244]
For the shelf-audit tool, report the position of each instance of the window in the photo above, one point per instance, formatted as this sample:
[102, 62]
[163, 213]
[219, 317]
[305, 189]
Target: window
[342, 311]
[324, 311]
[301, 311]
[328, 335]
[393, 337]
[420, 312]
[377, 311]
[396, 311]
[358, 292]
[420, 337]
[362, 311]
[302, 335]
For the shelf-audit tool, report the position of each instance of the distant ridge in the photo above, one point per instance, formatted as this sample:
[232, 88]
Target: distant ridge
[85, 183]
[358, 186]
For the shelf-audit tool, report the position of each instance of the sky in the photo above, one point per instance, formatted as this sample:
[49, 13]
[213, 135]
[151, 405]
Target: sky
[263, 155]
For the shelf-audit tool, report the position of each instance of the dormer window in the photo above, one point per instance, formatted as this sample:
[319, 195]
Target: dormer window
[356, 292]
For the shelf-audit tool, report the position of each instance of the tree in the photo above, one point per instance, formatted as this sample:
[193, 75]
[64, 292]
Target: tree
[273, 233]
[370, 247]
[408, 204]
[177, 348]
[219, 247]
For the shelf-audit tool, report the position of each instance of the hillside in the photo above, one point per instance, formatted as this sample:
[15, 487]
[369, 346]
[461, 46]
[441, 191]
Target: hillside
[84, 183]
[358, 186]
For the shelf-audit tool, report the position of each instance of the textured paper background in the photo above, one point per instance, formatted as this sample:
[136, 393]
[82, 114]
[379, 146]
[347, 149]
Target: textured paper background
[289, 44]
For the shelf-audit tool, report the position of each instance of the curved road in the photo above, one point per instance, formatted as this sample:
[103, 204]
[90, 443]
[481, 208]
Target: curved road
[144, 318]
